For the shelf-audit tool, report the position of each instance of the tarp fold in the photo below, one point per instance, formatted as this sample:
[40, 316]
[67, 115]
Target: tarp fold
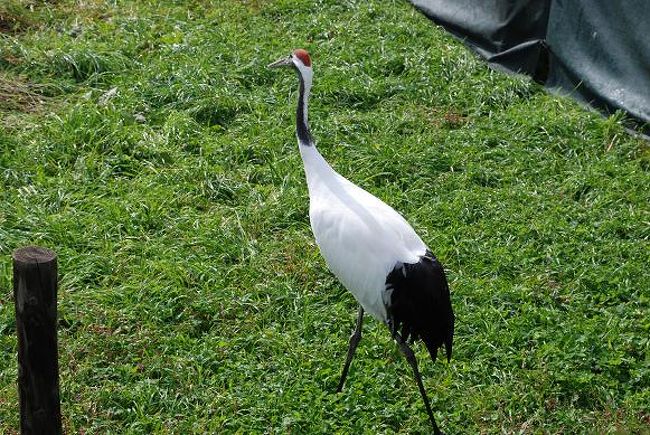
[596, 51]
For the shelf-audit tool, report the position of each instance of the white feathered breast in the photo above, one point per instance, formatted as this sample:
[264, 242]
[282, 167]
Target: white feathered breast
[359, 236]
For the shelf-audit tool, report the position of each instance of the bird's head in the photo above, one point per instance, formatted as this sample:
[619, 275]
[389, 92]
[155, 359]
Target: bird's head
[298, 60]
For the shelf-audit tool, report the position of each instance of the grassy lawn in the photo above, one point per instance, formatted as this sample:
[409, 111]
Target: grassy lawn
[148, 145]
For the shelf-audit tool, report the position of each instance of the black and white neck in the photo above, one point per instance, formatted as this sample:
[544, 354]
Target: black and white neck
[305, 75]
[300, 61]
[316, 167]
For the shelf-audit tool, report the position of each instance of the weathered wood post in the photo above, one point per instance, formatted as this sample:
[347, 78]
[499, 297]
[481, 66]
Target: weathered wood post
[35, 289]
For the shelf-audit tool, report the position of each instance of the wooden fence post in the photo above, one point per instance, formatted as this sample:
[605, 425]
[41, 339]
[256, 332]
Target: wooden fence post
[35, 289]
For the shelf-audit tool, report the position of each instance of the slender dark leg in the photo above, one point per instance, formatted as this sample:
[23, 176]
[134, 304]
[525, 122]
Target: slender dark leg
[410, 357]
[354, 341]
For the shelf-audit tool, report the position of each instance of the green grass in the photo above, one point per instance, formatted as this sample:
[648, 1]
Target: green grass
[148, 145]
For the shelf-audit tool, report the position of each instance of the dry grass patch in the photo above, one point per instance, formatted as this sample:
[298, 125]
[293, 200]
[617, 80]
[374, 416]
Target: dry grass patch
[14, 16]
[17, 94]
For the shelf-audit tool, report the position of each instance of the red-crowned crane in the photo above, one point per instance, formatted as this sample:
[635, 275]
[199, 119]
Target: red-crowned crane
[373, 251]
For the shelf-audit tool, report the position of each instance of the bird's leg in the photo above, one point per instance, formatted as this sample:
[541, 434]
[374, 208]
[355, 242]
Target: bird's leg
[354, 341]
[410, 357]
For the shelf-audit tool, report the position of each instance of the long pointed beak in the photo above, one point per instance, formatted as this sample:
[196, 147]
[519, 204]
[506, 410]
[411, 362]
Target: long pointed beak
[285, 61]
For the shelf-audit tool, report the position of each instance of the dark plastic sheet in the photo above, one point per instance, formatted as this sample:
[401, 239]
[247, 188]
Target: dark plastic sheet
[597, 51]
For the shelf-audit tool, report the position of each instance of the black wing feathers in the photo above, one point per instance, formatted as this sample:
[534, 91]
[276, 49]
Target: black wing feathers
[420, 305]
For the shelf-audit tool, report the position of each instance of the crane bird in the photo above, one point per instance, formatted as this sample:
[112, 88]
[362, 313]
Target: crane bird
[373, 251]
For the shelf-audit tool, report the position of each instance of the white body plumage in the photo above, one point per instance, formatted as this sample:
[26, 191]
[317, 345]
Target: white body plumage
[360, 237]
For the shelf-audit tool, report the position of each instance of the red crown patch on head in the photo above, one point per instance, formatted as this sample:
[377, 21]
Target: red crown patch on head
[303, 56]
